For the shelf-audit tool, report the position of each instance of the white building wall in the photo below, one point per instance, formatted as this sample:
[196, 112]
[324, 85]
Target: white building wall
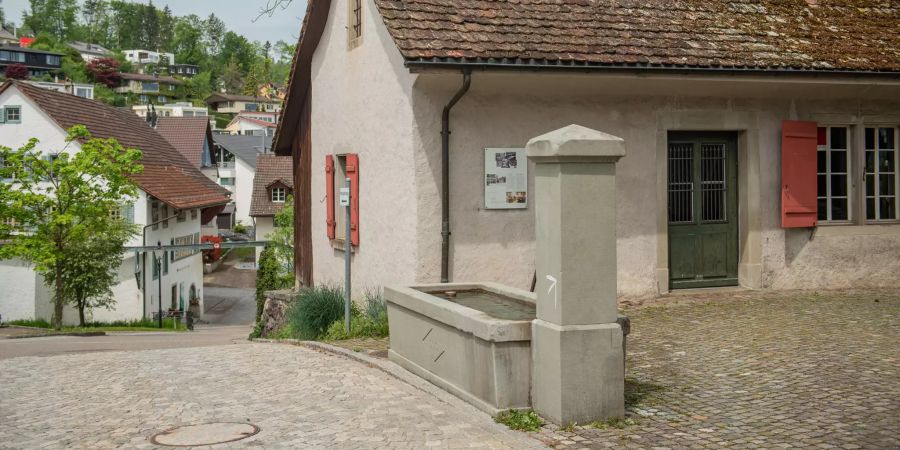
[243, 191]
[264, 227]
[361, 104]
[18, 286]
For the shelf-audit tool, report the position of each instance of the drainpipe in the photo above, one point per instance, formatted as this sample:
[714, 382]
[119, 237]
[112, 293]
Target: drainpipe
[445, 176]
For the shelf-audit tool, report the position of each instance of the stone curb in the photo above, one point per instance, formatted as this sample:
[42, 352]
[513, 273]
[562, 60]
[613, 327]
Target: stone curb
[524, 440]
[84, 334]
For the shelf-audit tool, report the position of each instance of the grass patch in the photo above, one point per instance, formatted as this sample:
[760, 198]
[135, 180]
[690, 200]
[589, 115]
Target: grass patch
[315, 309]
[519, 420]
[146, 324]
[245, 254]
[615, 422]
[637, 391]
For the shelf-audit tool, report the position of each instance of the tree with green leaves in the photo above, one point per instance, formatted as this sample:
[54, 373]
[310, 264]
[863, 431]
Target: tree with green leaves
[149, 27]
[187, 42]
[232, 79]
[55, 17]
[61, 200]
[214, 32]
[91, 265]
[282, 238]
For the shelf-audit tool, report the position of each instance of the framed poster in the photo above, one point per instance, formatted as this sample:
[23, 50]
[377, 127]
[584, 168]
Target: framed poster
[505, 178]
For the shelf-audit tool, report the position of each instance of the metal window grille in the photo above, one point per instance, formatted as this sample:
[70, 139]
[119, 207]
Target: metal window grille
[681, 183]
[712, 182]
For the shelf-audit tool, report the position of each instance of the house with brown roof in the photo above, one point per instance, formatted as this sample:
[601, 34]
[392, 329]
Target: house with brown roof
[147, 88]
[234, 103]
[762, 137]
[174, 199]
[193, 138]
[253, 123]
[273, 183]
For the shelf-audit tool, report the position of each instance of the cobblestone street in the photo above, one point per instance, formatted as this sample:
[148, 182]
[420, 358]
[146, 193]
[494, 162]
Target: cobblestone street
[758, 370]
[298, 397]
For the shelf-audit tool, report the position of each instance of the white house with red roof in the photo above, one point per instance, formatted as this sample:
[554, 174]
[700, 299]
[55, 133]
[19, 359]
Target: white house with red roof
[174, 199]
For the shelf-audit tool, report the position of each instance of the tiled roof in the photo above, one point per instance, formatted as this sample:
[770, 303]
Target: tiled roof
[270, 168]
[167, 174]
[244, 147]
[824, 35]
[187, 135]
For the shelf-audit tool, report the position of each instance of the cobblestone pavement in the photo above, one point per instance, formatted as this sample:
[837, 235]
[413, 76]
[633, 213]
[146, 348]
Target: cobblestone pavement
[300, 398]
[758, 370]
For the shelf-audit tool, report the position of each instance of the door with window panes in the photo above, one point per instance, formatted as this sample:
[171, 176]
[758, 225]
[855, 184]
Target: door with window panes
[702, 209]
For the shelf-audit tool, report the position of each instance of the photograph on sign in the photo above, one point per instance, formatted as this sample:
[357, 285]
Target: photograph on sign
[505, 178]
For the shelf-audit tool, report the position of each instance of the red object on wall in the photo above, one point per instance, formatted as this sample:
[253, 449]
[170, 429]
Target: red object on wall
[211, 255]
[799, 202]
[329, 195]
[25, 41]
[353, 175]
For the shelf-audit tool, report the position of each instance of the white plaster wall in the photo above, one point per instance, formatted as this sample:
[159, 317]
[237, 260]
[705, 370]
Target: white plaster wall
[35, 124]
[243, 191]
[183, 272]
[17, 290]
[361, 104]
[263, 227]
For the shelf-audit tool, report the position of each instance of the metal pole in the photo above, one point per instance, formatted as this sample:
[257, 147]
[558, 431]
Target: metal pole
[159, 272]
[348, 249]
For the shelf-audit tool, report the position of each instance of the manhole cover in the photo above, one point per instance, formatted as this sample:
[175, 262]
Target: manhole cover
[204, 434]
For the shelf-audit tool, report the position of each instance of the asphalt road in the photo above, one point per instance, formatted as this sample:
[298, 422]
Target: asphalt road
[229, 319]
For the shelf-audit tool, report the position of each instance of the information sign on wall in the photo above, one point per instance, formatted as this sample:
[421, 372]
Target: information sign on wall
[505, 178]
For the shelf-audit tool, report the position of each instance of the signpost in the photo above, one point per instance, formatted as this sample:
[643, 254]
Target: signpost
[348, 249]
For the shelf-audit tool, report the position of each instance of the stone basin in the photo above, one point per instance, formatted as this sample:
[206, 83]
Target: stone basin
[471, 339]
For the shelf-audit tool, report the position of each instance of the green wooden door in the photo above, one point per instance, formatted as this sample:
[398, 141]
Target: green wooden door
[702, 209]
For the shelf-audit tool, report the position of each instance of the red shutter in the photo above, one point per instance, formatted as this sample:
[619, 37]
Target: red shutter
[329, 194]
[799, 203]
[353, 175]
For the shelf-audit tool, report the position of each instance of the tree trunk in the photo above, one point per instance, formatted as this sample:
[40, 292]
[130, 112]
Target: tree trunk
[81, 312]
[58, 298]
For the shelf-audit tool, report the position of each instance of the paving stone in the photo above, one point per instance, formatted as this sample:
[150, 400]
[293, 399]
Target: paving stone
[298, 397]
[760, 369]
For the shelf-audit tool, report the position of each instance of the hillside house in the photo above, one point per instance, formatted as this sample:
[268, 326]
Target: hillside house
[174, 199]
[177, 109]
[38, 62]
[234, 104]
[89, 51]
[236, 158]
[762, 138]
[142, 57]
[149, 88]
[272, 185]
[253, 124]
[83, 90]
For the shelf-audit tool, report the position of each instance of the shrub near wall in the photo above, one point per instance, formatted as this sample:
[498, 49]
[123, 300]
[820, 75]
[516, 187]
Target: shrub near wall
[269, 277]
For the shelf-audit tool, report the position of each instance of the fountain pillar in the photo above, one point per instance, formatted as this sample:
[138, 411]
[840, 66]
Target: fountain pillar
[578, 373]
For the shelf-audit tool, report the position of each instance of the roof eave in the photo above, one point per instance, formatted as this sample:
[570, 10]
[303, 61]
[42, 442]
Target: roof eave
[421, 65]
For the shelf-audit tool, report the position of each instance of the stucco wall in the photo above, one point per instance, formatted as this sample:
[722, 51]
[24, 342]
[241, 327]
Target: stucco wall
[506, 110]
[182, 273]
[264, 226]
[360, 104]
[243, 191]
[18, 290]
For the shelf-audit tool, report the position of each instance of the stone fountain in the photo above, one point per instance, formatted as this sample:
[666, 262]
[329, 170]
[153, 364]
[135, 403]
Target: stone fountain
[559, 350]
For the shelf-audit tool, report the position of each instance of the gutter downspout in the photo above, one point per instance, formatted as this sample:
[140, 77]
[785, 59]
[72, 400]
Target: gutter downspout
[445, 176]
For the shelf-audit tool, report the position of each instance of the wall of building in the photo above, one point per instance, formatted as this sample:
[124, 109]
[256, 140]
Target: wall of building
[264, 227]
[182, 273]
[506, 110]
[243, 191]
[18, 293]
[372, 117]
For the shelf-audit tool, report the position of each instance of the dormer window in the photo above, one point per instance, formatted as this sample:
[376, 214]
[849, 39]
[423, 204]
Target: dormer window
[279, 195]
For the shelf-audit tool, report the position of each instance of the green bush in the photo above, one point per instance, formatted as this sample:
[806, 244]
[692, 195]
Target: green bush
[372, 322]
[269, 277]
[240, 228]
[314, 310]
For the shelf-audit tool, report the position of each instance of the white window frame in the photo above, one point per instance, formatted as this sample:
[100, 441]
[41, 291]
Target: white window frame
[877, 174]
[5, 112]
[827, 149]
[279, 195]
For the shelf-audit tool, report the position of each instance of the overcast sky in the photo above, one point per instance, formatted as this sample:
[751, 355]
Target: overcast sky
[237, 14]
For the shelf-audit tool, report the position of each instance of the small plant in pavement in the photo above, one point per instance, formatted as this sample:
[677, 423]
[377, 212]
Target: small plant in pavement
[515, 419]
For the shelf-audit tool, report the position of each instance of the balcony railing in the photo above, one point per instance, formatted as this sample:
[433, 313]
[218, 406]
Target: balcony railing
[226, 165]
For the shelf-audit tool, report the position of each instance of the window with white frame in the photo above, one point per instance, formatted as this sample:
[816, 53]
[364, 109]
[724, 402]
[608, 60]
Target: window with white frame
[881, 173]
[833, 170]
[11, 114]
[279, 195]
